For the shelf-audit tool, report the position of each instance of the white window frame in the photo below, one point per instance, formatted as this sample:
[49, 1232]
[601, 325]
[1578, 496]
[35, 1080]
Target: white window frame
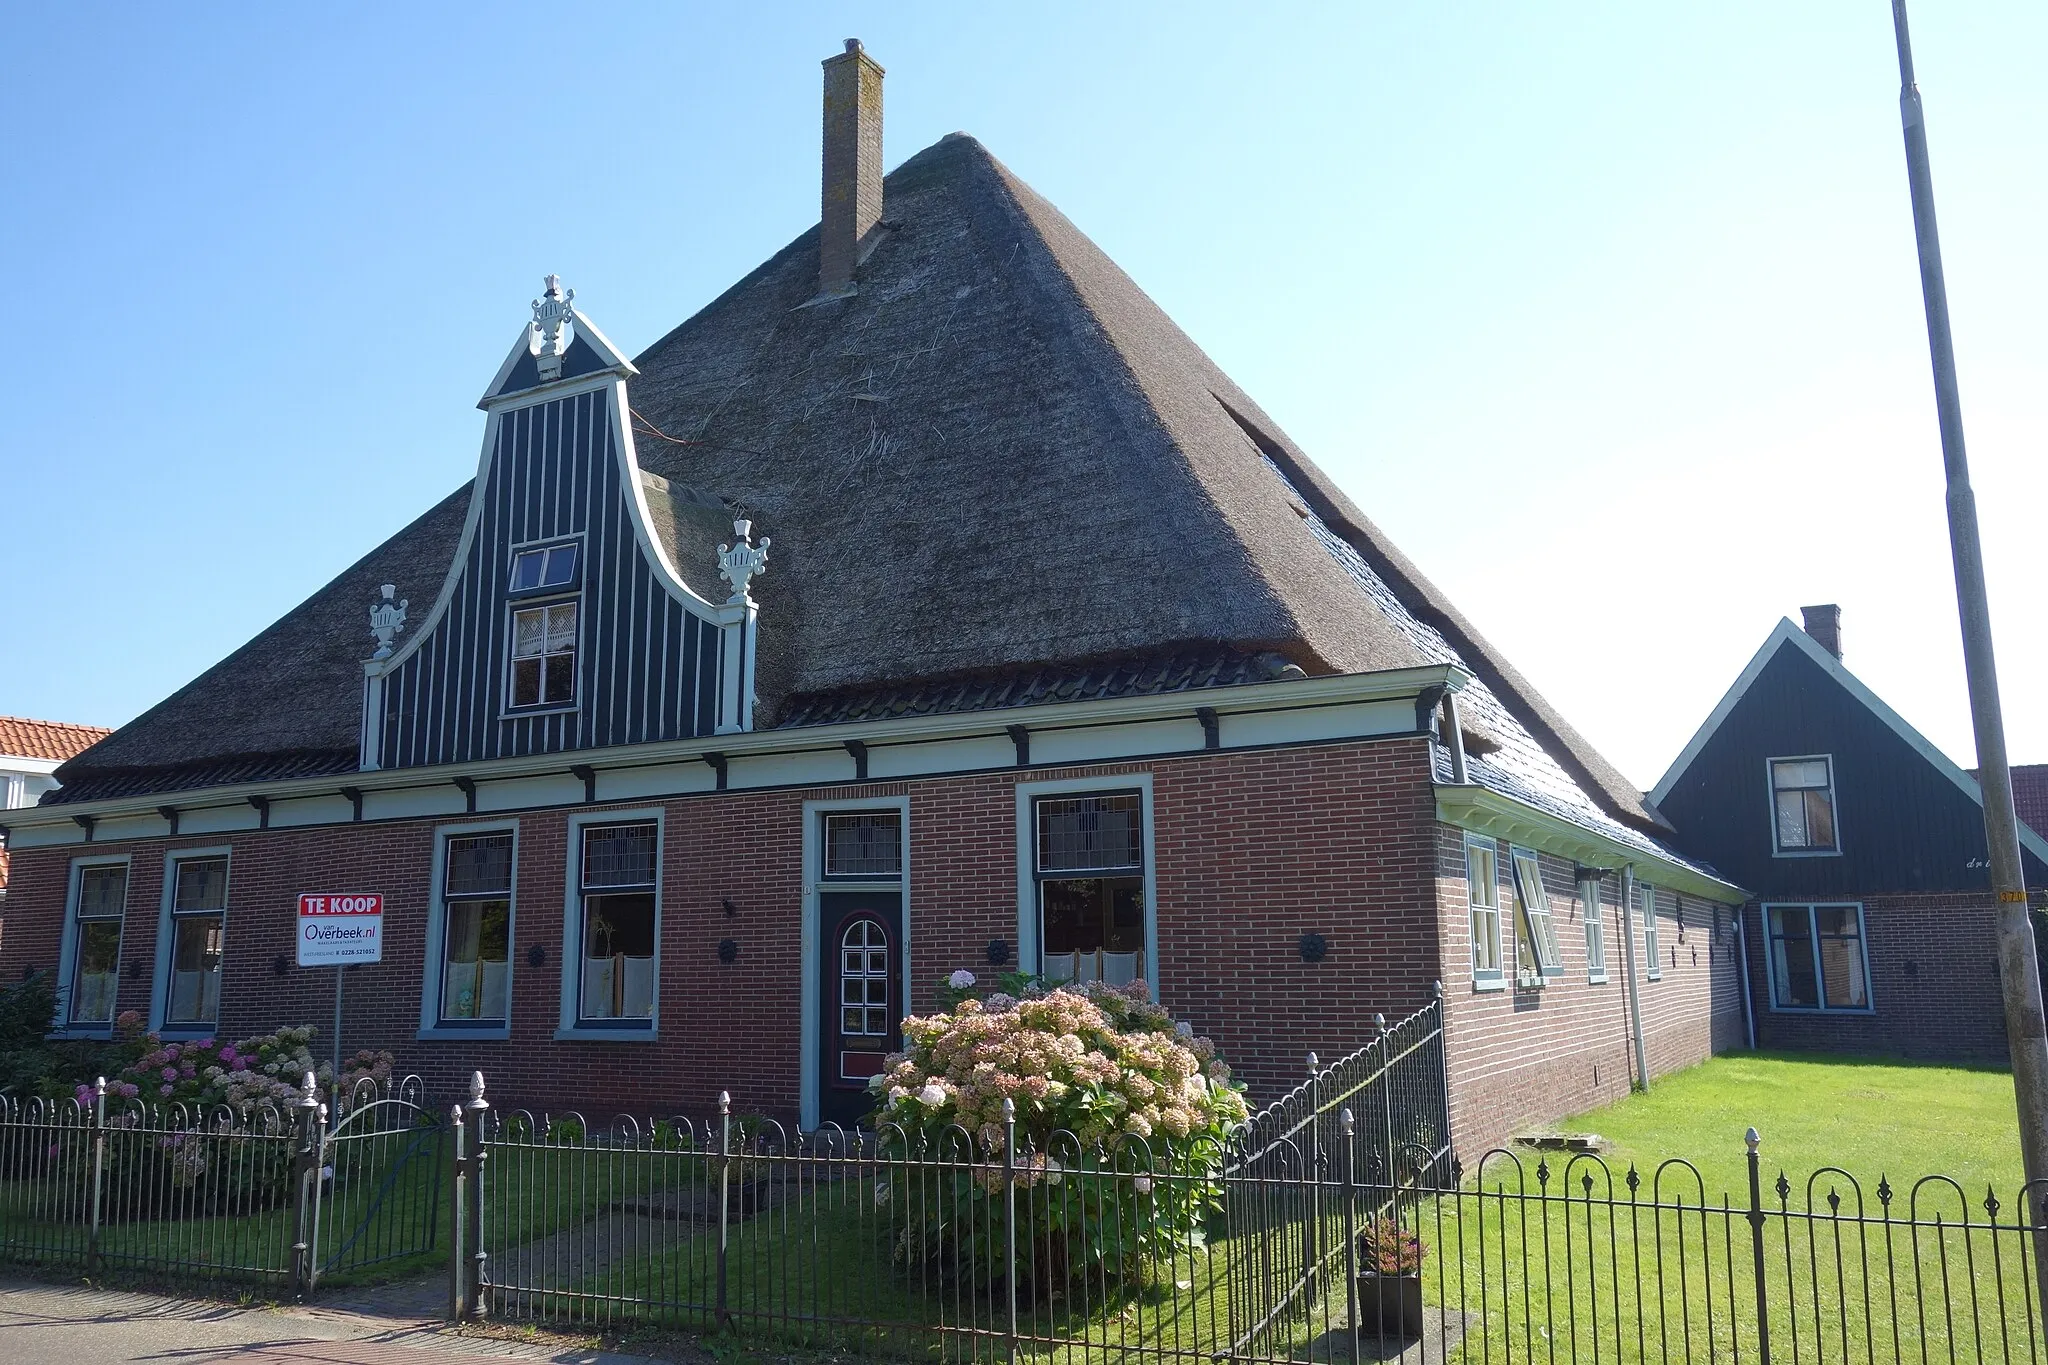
[1027, 861]
[1596, 930]
[544, 597]
[1494, 978]
[431, 1025]
[1813, 940]
[570, 1025]
[167, 942]
[814, 881]
[1771, 799]
[1543, 940]
[1654, 965]
[67, 949]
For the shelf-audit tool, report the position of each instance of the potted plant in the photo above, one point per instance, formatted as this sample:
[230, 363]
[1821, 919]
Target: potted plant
[1390, 1279]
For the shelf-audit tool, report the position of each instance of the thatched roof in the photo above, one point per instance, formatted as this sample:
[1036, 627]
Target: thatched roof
[998, 456]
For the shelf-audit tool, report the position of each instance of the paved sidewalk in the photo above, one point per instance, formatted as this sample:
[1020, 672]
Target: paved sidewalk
[43, 1324]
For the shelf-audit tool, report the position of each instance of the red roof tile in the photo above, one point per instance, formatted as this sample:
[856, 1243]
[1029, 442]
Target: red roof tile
[50, 739]
[2030, 796]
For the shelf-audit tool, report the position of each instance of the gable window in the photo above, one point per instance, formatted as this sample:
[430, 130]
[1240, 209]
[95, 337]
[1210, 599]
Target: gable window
[544, 633]
[1596, 930]
[1090, 866]
[864, 844]
[1482, 893]
[1803, 805]
[1817, 957]
[616, 937]
[476, 930]
[1654, 967]
[1536, 955]
[100, 897]
[544, 655]
[199, 903]
[547, 568]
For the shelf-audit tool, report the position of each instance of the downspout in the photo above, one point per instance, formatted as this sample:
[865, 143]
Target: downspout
[1742, 973]
[1454, 739]
[1628, 949]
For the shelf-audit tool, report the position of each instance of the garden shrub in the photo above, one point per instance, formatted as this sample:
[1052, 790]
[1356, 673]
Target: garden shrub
[1121, 1120]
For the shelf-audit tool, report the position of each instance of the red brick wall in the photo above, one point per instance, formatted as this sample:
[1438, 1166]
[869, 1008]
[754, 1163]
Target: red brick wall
[1524, 1058]
[1253, 850]
[1933, 984]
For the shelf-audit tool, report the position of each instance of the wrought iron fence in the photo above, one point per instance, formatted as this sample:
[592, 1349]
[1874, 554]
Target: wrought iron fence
[1283, 1244]
[256, 1195]
[941, 1245]
[1317, 1233]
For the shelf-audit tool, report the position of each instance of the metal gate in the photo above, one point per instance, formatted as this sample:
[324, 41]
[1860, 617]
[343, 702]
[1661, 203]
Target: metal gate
[1352, 1140]
[378, 1189]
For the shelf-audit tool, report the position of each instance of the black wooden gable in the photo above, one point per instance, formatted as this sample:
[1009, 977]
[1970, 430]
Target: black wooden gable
[1907, 818]
[565, 622]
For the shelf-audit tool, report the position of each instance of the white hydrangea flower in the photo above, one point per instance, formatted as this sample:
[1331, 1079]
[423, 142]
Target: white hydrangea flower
[933, 1094]
[961, 979]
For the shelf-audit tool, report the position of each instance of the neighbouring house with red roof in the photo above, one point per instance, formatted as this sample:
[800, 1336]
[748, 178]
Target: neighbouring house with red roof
[31, 751]
[928, 601]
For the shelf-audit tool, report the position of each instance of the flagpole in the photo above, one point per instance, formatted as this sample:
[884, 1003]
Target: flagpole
[2019, 971]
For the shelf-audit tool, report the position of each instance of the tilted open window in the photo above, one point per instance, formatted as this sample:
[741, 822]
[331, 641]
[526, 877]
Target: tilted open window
[1536, 954]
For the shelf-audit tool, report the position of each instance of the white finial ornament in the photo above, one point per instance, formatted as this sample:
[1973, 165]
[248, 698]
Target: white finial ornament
[742, 561]
[552, 329]
[387, 618]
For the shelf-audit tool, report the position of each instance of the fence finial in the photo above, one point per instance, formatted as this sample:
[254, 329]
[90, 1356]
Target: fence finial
[1379, 1021]
[1436, 989]
[309, 1095]
[1754, 1139]
[1312, 1062]
[1345, 1121]
[724, 1102]
[476, 1091]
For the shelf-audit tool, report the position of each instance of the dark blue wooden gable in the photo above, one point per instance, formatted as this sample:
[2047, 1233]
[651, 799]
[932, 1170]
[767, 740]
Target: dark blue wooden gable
[648, 664]
[1903, 823]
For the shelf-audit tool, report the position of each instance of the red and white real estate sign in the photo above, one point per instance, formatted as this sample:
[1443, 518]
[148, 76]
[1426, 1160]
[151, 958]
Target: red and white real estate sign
[336, 930]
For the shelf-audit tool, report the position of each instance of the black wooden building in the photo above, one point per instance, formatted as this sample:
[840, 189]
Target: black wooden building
[1862, 845]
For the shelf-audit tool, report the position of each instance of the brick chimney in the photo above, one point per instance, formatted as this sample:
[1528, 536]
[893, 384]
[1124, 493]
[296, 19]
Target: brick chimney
[851, 203]
[1824, 624]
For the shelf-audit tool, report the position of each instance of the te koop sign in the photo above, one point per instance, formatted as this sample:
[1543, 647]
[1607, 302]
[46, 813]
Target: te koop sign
[337, 930]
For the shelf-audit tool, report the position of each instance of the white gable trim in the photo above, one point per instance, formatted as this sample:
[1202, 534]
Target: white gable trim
[1785, 633]
[614, 360]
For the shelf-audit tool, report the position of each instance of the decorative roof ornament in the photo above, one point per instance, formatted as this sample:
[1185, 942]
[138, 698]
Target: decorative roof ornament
[387, 618]
[742, 561]
[552, 329]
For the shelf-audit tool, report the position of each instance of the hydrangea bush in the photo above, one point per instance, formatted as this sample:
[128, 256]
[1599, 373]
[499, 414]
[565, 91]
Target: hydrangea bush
[205, 1074]
[1121, 1117]
[226, 1151]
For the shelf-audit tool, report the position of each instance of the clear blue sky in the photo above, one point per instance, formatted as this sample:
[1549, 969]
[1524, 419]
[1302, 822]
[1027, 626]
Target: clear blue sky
[1608, 313]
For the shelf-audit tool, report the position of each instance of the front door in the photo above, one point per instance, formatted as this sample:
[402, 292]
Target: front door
[860, 979]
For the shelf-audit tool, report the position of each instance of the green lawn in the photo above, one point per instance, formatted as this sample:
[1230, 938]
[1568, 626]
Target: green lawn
[1871, 1118]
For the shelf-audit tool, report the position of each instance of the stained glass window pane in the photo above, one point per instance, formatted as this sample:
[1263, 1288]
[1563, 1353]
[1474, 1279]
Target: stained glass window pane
[867, 844]
[102, 890]
[1090, 833]
[479, 865]
[202, 885]
[618, 855]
